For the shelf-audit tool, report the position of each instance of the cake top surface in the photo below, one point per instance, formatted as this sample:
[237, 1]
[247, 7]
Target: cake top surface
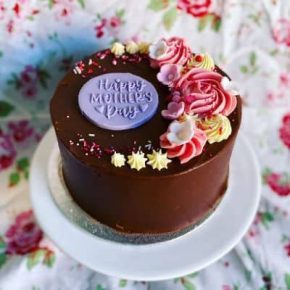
[146, 109]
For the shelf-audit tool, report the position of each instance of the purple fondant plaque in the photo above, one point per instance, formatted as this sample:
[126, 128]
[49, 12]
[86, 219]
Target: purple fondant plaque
[118, 101]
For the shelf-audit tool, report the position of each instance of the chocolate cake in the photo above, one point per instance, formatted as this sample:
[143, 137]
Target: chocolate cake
[145, 133]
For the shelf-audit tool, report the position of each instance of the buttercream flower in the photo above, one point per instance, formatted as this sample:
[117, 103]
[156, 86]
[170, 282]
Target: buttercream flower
[132, 47]
[204, 61]
[217, 128]
[183, 140]
[172, 50]
[203, 93]
[169, 73]
[174, 110]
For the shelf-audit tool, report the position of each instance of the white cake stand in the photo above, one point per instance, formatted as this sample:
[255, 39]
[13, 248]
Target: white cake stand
[186, 254]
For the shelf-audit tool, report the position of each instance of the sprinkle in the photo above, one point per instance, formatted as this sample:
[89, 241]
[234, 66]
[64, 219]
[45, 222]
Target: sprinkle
[77, 70]
[112, 135]
[119, 227]
[82, 139]
[114, 62]
[198, 58]
[78, 144]
[109, 151]
[91, 135]
[67, 116]
[86, 154]
[90, 61]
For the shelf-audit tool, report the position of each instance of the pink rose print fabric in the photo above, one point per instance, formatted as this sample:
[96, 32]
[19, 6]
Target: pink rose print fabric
[249, 40]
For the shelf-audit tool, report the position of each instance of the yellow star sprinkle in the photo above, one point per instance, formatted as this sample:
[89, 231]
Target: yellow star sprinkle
[158, 160]
[137, 160]
[118, 159]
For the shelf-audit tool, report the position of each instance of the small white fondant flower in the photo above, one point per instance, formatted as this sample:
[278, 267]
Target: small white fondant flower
[229, 86]
[180, 132]
[157, 49]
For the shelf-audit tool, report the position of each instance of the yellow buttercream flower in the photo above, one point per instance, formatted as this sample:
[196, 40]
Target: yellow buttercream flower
[144, 47]
[204, 61]
[118, 159]
[137, 160]
[217, 128]
[132, 47]
[158, 160]
[118, 48]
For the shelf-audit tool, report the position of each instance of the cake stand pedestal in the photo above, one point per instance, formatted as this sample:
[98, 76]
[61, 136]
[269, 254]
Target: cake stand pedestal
[188, 253]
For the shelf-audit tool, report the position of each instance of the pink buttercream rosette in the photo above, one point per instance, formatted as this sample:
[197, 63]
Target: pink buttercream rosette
[169, 51]
[204, 94]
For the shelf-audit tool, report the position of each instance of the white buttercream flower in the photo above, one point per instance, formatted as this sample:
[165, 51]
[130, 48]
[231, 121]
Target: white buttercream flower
[180, 132]
[118, 48]
[157, 49]
[118, 159]
[132, 47]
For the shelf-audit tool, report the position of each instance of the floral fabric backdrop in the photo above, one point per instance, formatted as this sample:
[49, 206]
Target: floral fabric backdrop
[39, 42]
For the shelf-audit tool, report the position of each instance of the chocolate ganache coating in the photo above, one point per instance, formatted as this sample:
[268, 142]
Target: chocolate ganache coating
[130, 201]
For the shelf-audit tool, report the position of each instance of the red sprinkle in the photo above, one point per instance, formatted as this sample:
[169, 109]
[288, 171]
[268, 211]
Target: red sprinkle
[198, 58]
[109, 151]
